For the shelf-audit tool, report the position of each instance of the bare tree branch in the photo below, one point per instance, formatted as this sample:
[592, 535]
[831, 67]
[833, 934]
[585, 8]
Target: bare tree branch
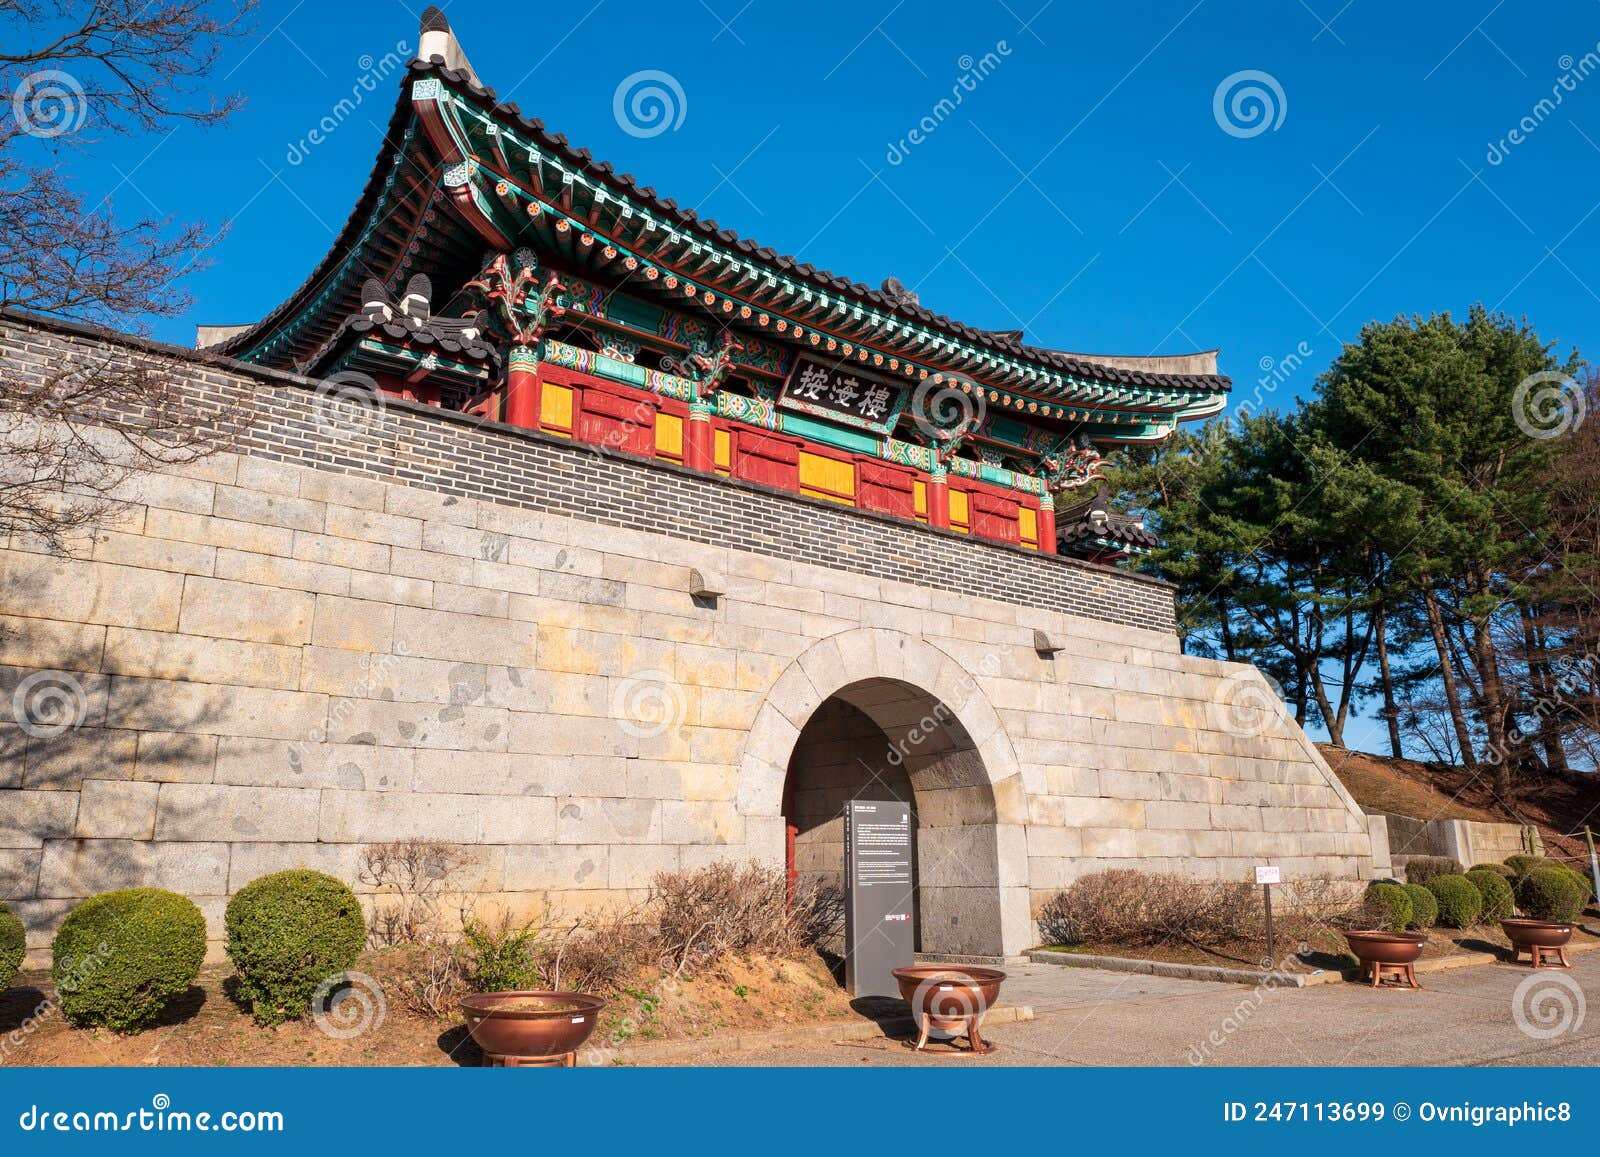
[70, 440]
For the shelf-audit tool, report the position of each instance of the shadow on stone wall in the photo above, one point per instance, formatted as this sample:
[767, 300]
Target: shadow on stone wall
[83, 758]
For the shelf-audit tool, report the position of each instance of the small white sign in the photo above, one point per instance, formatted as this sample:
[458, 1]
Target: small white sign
[1268, 876]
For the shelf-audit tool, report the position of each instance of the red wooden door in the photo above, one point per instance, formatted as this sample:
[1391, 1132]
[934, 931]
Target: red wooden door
[887, 488]
[994, 517]
[617, 421]
[771, 459]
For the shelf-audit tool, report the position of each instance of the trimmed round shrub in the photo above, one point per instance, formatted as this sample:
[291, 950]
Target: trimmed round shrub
[13, 943]
[1424, 909]
[1421, 869]
[1522, 865]
[287, 933]
[120, 958]
[1584, 882]
[1460, 902]
[1500, 870]
[1550, 893]
[1498, 900]
[1387, 907]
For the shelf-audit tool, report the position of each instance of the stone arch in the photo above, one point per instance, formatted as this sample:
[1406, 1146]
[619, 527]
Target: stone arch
[968, 784]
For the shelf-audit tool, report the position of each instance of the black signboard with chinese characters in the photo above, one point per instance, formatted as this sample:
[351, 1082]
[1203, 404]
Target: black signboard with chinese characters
[879, 926]
[844, 394]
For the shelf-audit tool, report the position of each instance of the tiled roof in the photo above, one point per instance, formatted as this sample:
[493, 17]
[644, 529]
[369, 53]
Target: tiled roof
[625, 184]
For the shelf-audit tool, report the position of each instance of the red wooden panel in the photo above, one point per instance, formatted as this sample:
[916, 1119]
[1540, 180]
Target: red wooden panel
[761, 456]
[887, 488]
[994, 517]
[617, 421]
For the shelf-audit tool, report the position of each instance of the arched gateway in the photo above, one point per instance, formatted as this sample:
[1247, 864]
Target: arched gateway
[875, 713]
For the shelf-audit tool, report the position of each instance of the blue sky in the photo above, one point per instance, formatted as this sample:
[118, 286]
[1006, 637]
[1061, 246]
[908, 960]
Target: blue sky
[1094, 185]
[1084, 189]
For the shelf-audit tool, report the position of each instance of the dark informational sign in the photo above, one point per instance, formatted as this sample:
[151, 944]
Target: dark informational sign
[880, 934]
[842, 393]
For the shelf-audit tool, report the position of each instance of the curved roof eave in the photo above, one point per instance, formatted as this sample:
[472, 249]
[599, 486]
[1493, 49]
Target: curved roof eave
[1156, 371]
[240, 344]
[626, 186]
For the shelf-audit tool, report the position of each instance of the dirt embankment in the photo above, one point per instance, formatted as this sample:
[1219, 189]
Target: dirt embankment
[1559, 806]
[208, 1027]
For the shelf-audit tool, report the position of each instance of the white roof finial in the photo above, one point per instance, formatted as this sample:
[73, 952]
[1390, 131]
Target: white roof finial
[438, 40]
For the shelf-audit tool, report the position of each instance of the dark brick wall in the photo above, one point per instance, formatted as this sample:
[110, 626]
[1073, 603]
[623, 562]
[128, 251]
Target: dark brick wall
[465, 456]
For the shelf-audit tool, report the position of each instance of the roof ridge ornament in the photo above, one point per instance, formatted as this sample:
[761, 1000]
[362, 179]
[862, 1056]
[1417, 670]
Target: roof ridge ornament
[375, 301]
[437, 39]
[417, 304]
[896, 290]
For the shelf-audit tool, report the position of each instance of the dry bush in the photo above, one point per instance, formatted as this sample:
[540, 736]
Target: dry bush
[691, 921]
[428, 978]
[705, 915]
[1131, 907]
[1141, 908]
[594, 955]
[420, 876]
[597, 954]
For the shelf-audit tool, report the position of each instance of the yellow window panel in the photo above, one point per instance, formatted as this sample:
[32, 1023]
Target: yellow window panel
[959, 514]
[919, 499]
[722, 450]
[669, 435]
[1028, 526]
[828, 478]
[555, 408]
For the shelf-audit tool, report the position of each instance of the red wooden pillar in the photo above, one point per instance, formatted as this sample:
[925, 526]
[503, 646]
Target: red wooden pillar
[522, 388]
[1047, 523]
[699, 438]
[939, 499]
